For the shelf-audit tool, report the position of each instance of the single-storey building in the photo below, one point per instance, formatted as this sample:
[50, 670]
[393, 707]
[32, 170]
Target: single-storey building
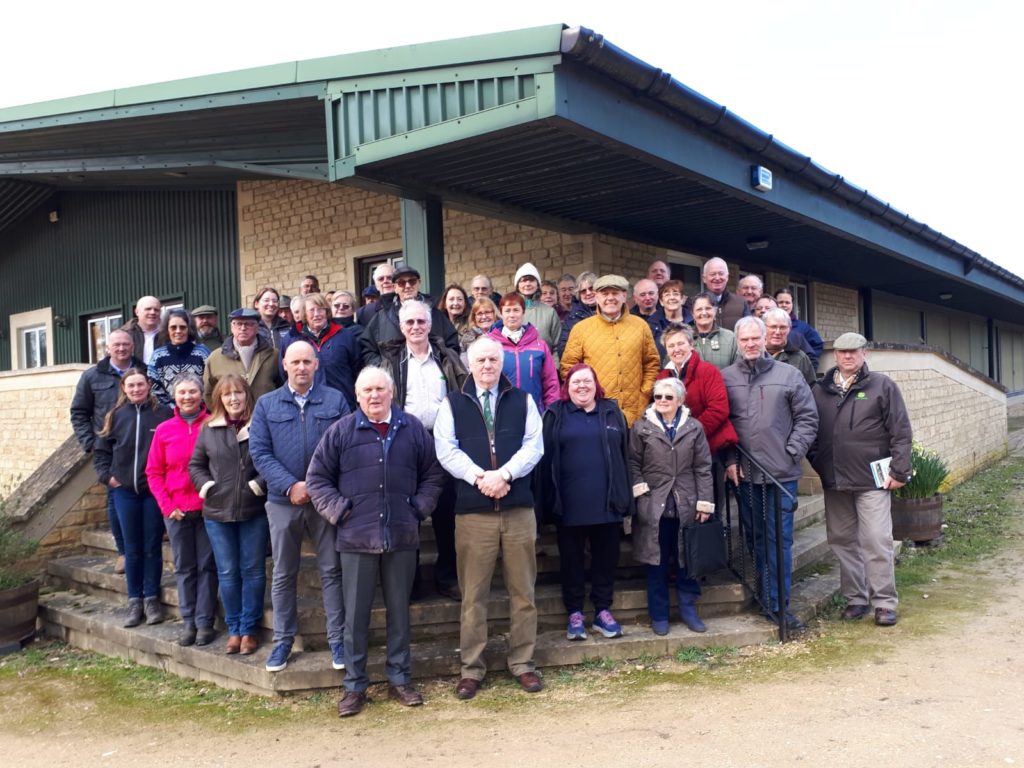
[548, 145]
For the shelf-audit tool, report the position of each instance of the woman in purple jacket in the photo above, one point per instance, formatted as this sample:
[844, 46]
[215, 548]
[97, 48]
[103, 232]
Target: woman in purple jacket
[528, 362]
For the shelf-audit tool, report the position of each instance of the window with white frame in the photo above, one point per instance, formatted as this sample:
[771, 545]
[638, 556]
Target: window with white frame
[98, 328]
[32, 345]
[801, 301]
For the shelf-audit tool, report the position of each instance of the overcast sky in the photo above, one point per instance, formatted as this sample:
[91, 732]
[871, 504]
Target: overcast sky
[919, 102]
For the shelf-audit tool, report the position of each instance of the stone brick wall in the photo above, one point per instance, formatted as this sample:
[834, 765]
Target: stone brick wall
[88, 513]
[835, 311]
[34, 419]
[287, 229]
[958, 414]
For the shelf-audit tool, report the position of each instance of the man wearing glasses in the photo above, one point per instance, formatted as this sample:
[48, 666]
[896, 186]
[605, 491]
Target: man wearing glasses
[386, 326]
[383, 281]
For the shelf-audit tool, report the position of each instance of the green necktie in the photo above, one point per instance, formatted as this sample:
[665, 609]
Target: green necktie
[488, 416]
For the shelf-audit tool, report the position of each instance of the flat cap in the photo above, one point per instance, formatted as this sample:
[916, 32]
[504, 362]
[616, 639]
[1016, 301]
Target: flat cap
[618, 282]
[204, 309]
[850, 340]
[405, 271]
[245, 313]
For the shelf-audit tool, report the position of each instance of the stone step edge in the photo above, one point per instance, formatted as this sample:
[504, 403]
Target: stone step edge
[92, 624]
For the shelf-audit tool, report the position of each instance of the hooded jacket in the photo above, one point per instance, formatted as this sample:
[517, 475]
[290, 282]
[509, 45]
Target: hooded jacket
[773, 411]
[529, 365]
[222, 470]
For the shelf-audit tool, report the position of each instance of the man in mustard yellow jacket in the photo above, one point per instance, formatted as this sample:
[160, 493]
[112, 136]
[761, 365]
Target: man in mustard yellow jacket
[618, 346]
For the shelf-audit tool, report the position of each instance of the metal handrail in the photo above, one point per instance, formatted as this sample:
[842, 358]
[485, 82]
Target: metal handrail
[770, 496]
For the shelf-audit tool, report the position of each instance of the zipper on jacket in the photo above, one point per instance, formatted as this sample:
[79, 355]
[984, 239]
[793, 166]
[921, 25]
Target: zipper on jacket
[135, 461]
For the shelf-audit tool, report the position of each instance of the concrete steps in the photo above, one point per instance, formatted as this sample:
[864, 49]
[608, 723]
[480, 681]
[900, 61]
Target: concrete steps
[94, 624]
[90, 607]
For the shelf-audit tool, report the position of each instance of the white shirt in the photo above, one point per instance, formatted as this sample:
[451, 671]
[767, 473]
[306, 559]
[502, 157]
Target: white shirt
[148, 345]
[458, 464]
[425, 387]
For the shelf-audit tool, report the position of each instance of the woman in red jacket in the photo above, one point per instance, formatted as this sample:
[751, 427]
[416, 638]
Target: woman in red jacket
[706, 396]
[169, 482]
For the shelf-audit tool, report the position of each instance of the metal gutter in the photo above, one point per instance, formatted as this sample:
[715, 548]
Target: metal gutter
[592, 50]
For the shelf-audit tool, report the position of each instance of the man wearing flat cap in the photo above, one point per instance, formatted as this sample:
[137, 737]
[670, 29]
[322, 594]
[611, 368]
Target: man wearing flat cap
[385, 325]
[208, 333]
[862, 453]
[618, 346]
[245, 352]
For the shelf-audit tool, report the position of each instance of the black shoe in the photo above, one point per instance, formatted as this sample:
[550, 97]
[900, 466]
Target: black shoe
[885, 617]
[135, 612]
[154, 611]
[188, 635]
[451, 591]
[205, 635]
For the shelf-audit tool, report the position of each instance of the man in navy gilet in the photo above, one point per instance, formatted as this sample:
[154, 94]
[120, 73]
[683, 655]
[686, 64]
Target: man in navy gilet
[488, 437]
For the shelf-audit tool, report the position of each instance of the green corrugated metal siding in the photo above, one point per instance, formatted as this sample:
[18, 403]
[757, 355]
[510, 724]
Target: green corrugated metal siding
[108, 249]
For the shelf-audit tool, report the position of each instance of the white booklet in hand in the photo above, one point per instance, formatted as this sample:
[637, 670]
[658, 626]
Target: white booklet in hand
[880, 470]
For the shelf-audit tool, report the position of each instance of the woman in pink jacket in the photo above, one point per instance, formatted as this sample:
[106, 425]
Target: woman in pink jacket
[528, 362]
[179, 502]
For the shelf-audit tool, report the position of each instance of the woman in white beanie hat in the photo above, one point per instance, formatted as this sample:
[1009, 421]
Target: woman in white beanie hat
[540, 315]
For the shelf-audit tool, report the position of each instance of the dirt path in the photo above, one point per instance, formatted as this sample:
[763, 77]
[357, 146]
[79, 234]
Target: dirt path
[952, 698]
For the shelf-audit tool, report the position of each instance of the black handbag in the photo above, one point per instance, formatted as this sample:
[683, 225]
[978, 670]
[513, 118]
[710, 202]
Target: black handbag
[703, 547]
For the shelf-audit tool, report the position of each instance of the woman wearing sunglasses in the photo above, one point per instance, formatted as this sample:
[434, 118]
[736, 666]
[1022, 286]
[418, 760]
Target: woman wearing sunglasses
[670, 464]
[583, 306]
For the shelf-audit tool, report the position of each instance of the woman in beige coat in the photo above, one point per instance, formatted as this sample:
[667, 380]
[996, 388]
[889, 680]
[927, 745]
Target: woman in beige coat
[670, 464]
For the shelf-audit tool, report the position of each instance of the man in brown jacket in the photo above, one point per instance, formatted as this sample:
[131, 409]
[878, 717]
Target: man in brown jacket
[245, 352]
[618, 346]
[862, 420]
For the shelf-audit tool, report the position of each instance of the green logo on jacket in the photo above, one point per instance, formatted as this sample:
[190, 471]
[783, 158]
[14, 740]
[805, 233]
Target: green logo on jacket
[862, 396]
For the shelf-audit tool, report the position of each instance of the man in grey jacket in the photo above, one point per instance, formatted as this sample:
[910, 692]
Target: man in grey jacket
[773, 411]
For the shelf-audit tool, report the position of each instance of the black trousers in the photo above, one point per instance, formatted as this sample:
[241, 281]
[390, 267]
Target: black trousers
[443, 521]
[604, 560]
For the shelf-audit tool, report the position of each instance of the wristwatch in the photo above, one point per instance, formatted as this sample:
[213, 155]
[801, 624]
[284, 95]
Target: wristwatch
[507, 476]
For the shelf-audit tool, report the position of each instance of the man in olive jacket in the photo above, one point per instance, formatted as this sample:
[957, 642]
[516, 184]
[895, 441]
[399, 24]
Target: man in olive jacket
[862, 420]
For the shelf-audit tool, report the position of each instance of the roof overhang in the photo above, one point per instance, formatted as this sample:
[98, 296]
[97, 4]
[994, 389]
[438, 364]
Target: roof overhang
[552, 126]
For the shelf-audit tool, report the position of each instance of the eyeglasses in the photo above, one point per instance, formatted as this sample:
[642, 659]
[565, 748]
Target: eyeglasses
[342, 306]
[415, 321]
[587, 290]
[484, 313]
[664, 397]
[383, 279]
[407, 282]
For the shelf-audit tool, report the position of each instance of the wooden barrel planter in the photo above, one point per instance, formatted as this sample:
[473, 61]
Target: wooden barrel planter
[917, 519]
[18, 610]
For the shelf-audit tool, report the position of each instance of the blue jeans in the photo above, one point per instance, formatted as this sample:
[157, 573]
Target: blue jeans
[240, 550]
[757, 516]
[687, 589]
[115, 523]
[143, 528]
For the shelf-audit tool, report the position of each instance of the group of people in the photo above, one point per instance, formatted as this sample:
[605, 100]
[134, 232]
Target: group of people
[489, 414]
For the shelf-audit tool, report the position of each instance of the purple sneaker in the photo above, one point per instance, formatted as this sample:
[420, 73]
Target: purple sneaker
[606, 624]
[576, 630]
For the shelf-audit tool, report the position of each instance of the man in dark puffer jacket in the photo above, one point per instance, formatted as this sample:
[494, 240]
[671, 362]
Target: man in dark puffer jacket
[374, 475]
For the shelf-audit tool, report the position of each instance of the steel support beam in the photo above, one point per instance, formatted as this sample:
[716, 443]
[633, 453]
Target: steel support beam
[423, 241]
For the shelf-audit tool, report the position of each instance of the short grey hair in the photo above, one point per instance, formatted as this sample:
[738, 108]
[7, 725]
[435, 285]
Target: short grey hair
[676, 385]
[674, 330]
[714, 260]
[186, 378]
[482, 341]
[778, 315]
[416, 306]
[743, 322]
[585, 277]
[370, 371]
[756, 279]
